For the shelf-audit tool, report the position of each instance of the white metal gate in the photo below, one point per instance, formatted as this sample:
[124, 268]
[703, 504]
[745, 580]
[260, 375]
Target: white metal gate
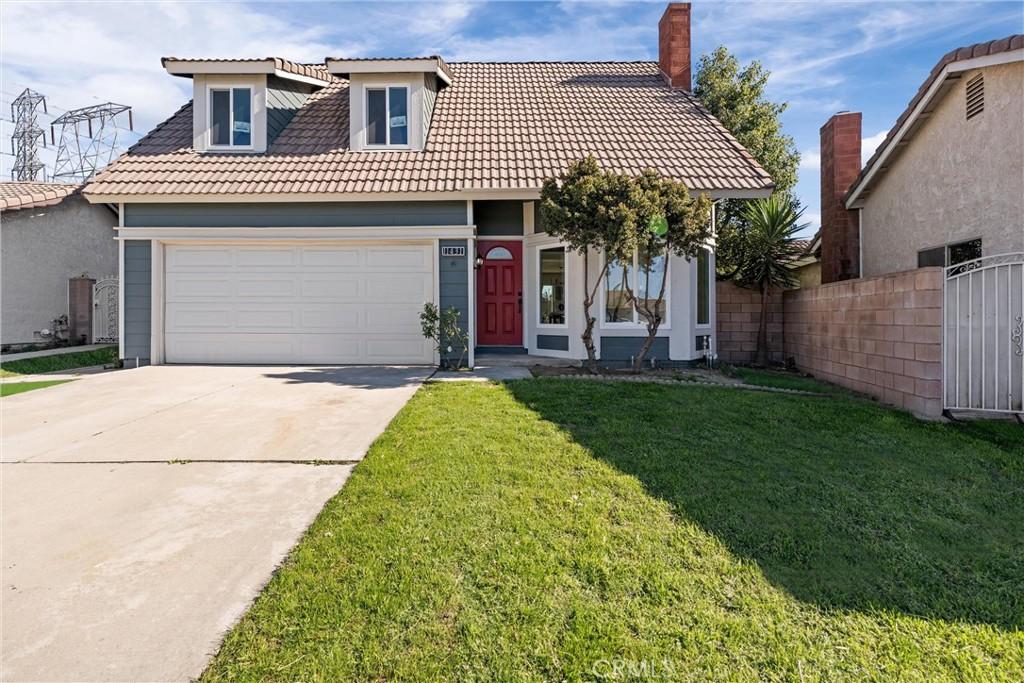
[983, 338]
[104, 311]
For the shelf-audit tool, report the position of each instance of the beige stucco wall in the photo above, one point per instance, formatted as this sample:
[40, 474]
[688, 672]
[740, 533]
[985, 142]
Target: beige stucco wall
[957, 180]
[40, 249]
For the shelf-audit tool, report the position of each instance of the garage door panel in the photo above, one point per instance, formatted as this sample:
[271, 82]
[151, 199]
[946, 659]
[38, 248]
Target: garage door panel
[264, 258]
[268, 286]
[322, 304]
[200, 287]
[199, 257]
[330, 286]
[332, 258]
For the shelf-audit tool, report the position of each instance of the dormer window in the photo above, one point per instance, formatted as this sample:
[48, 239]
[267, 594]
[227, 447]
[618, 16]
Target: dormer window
[387, 116]
[230, 118]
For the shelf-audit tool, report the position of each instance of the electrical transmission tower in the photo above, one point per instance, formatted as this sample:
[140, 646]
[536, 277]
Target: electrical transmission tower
[26, 137]
[88, 140]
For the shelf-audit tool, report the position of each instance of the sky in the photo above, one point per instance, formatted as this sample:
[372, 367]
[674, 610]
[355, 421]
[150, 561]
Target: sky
[824, 56]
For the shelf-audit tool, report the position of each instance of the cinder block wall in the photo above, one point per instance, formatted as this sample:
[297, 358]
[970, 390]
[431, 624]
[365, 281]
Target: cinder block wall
[880, 336]
[739, 313]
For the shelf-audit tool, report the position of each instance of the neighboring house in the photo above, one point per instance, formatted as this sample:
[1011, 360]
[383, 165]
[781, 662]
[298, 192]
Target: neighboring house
[304, 213]
[946, 185]
[807, 266]
[48, 234]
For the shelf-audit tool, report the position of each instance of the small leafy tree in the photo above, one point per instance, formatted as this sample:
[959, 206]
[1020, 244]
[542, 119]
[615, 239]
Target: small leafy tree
[769, 248]
[675, 225]
[590, 209]
[617, 215]
[442, 327]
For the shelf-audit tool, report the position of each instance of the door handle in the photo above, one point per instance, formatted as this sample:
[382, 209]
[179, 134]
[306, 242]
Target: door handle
[520, 302]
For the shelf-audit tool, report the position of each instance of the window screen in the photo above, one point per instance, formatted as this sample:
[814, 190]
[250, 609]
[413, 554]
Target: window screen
[703, 287]
[220, 117]
[964, 251]
[376, 115]
[398, 120]
[241, 117]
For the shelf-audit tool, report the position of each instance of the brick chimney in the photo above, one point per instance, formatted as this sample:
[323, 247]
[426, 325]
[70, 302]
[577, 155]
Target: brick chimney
[674, 45]
[840, 229]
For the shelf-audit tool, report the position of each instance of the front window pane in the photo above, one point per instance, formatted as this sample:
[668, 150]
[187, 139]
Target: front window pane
[703, 287]
[650, 277]
[241, 124]
[552, 286]
[376, 113]
[616, 304]
[398, 116]
[220, 116]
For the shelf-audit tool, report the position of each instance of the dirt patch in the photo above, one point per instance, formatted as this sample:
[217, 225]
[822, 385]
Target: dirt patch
[677, 374]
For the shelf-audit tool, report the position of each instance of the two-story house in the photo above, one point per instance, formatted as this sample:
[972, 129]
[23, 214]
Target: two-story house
[295, 213]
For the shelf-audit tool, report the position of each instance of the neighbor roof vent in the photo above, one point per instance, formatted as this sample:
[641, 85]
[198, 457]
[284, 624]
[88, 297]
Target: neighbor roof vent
[975, 96]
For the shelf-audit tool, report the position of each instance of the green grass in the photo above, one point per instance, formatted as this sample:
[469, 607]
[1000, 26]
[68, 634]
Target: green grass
[62, 361]
[11, 388]
[782, 380]
[548, 530]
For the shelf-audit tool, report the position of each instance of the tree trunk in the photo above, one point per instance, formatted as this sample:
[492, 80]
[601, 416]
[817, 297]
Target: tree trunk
[589, 320]
[761, 355]
[651, 317]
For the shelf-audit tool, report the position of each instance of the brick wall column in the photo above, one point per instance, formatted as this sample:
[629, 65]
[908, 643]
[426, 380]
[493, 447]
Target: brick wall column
[840, 229]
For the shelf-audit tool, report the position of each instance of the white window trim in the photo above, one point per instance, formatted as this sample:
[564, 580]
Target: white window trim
[638, 321]
[696, 291]
[230, 87]
[367, 87]
[565, 286]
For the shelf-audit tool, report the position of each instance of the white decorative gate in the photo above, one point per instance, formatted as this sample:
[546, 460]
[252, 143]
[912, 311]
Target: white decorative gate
[983, 338]
[104, 311]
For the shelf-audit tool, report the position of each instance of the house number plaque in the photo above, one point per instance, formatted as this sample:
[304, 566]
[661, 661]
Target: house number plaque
[453, 251]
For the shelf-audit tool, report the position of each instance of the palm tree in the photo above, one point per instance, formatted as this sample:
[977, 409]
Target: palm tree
[769, 247]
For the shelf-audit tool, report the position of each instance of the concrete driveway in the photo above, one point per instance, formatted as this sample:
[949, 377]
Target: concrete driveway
[143, 510]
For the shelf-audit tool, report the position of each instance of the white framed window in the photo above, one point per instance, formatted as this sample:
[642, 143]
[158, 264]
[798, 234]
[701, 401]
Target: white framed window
[386, 109]
[552, 266]
[230, 117]
[705, 280]
[643, 275]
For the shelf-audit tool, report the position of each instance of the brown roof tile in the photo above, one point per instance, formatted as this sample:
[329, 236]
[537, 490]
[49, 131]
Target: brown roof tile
[499, 125]
[28, 195]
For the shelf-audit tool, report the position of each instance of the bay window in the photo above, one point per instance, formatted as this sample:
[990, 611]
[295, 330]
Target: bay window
[643, 275]
[551, 286]
[231, 117]
[387, 115]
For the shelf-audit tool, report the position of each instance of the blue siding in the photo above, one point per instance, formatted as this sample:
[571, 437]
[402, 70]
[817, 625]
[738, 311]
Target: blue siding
[622, 348]
[553, 342]
[454, 285]
[294, 214]
[498, 217]
[284, 98]
[136, 280]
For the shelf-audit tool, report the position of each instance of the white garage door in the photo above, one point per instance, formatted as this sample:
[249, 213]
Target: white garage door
[285, 304]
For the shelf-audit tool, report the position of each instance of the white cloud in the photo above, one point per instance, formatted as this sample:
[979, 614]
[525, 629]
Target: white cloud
[810, 160]
[868, 145]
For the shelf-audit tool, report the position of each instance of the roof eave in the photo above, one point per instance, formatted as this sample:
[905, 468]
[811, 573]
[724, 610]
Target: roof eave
[857, 194]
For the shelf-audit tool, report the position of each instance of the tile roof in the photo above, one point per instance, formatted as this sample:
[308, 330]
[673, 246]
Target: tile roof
[498, 126]
[318, 71]
[30, 195]
[984, 49]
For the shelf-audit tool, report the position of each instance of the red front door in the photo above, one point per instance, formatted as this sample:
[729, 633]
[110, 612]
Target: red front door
[499, 293]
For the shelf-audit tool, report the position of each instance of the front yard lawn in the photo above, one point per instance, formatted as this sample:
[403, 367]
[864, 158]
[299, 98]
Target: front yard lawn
[61, 361]
[11, 388]
[563, 530]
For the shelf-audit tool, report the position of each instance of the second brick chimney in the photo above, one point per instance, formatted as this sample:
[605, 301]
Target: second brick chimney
[674, 45]
[840, 228]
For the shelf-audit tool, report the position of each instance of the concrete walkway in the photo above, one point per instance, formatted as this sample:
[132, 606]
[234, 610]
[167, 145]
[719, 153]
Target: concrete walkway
[143, 510]
[8, 357]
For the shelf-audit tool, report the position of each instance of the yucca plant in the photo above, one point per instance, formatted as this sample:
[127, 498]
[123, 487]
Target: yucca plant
[769, 247]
